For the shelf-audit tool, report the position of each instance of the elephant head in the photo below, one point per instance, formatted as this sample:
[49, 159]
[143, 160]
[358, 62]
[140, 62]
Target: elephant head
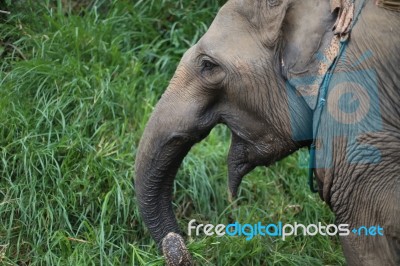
[237, 74]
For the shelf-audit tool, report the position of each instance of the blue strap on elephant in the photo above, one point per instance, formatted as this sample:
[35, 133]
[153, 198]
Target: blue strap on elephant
[322, 99]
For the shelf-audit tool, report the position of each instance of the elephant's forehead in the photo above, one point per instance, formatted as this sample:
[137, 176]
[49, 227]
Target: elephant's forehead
[230, 35]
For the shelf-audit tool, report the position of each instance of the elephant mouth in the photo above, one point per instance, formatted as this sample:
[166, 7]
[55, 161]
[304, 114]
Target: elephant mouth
[244, 156]
[238, 163]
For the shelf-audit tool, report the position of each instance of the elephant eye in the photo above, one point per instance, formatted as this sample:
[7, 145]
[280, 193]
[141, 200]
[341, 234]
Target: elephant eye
[211, 72]
[207, 65]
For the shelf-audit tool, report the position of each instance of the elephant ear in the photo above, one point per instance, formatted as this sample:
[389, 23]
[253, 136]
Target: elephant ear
[345, 10]
[311, 40]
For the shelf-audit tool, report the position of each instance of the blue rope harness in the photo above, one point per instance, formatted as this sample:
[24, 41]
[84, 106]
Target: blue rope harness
[322, 100]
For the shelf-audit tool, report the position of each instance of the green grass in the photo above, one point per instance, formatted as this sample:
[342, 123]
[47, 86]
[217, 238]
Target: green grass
[77, 85]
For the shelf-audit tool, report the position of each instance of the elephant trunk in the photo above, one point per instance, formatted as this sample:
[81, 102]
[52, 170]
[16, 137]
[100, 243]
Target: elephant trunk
[170, 133]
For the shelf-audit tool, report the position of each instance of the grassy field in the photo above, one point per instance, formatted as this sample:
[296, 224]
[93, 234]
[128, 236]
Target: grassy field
[77, 85]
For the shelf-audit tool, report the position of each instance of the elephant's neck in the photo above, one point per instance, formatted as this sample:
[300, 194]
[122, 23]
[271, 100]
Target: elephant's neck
[307, 32]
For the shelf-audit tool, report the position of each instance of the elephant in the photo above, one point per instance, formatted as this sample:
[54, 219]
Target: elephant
[282, 75]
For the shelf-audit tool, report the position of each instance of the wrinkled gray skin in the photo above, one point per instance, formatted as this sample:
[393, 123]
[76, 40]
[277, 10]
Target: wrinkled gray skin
[241, 74]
